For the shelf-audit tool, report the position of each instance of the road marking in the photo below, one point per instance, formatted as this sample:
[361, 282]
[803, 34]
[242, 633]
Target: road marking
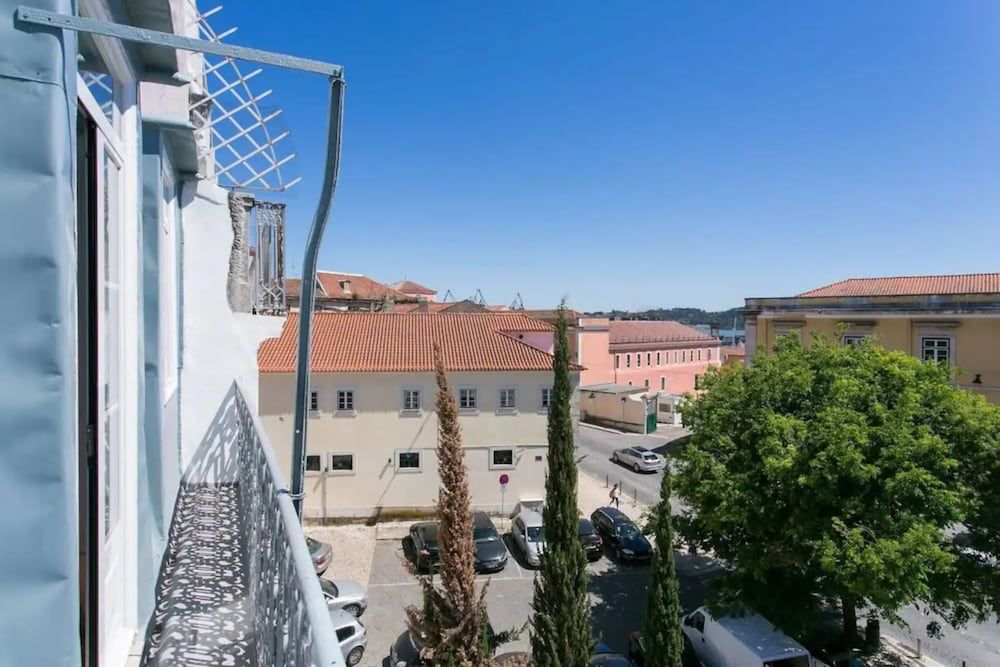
[480, 578]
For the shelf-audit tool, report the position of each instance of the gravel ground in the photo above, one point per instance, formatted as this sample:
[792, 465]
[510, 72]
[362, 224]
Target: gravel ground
[353, 546]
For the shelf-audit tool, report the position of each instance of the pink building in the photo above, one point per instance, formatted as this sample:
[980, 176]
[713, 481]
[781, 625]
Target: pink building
[660, 355]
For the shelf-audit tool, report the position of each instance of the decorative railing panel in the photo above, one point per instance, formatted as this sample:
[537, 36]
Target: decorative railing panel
[291, 624]
[237, 584]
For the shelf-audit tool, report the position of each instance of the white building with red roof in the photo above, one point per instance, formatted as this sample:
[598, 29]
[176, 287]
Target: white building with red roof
[372, 432]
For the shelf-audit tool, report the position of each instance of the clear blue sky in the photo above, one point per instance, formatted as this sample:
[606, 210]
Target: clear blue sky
[642, 154]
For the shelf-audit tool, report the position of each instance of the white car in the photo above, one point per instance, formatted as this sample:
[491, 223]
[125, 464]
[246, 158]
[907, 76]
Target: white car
[351, 634]
[344, 594]
[526, 531]
[638, 459]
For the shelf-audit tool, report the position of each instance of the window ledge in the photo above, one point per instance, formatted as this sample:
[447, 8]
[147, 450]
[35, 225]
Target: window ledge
[314, 414]
[409, 413]
[468, 412]
[407, 471]
[339, 473]
[345, 413]
[506, 411]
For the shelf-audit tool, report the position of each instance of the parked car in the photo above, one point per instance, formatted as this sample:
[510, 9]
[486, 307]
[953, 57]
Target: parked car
[603, 656]
[322, 554]
[425, 542]
[638, 459]
[351, 634]
[637, 652]
[592, 543]
[514, 658]
[344, 594]
[526, 531]
[744, 639]
[491, 554]
[621, 534]
[405, 651]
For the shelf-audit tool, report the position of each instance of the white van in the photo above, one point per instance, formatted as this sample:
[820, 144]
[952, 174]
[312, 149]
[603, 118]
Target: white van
[745, 640]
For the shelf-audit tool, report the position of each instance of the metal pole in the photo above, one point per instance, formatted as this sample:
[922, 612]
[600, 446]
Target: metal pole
[308, 291]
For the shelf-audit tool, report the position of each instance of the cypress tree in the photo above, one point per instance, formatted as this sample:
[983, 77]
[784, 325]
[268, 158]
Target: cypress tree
[451, 623]
[662, 637]
[561, 634]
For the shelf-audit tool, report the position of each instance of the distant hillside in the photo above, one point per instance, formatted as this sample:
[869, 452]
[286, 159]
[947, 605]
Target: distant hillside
[722, 318]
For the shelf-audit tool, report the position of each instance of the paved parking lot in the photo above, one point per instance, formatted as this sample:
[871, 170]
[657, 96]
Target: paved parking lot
[618, 596]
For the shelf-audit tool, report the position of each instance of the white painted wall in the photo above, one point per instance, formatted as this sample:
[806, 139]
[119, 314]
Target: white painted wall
[219, 345]
[379, 428]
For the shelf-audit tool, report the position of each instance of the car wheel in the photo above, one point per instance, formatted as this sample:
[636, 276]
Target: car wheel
[354, 657]
[619, 554]
[353, 609]
[614, 457]
[635, 467]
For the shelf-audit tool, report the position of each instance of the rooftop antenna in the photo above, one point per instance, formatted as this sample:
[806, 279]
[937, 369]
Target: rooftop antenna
[517, 303]
[478, 297]
[448, 296]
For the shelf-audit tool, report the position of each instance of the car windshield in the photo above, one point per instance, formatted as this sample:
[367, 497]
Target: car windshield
[312, 544]
[535, 534]
[627, 530]
[328, 587]
[586, 528]
[485, 534]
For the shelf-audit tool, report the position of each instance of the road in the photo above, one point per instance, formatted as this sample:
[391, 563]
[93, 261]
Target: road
[978, 644]
[596, 446]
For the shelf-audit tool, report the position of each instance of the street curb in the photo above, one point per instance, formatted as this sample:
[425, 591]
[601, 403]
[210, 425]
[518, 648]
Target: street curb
[608, 430]
[907, 653]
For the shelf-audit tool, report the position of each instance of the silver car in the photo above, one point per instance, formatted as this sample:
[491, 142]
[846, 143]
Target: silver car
[344, 594]
[351, 634]
[321, 552]
[638, 459]
[526, 531]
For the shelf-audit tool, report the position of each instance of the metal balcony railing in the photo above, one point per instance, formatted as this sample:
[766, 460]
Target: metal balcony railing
[237, 585]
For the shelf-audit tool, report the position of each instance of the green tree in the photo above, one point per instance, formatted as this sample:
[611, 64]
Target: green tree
[561, 635]
[662, 636]
[828, 474]
[452, 621]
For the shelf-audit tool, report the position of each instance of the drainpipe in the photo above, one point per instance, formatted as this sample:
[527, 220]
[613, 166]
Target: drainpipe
[307, 300]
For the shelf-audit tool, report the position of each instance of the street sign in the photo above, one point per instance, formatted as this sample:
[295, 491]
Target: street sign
[504, 479]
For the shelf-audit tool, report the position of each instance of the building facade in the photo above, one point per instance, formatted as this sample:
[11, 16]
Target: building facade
[660, 355]
[372, 429]
[953, 319]
[120, 357]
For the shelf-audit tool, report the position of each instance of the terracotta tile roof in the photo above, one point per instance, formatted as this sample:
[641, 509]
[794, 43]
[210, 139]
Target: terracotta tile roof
[401, 342]
[333, 284]
[411, 287]
[738, 351]
[969, 283]
[439, 307]
[654, 331]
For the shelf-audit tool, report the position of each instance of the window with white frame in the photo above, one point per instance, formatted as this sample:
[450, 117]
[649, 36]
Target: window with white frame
[697, 381]
[314, 463]
[663, 383]
[628, 361]
[468, 398]
[342, 463]
[617, 360]
[501, 458]
[411, 400]
[345, 400]
[646, 383]
[699, 354]
[638, 359]
[709, 354]
[508, 398]
[546, 398]
[657, 358]
[408, 461]
[935, 348]
[313, 401]
[847, 340]
[649, 358]
[683, 355]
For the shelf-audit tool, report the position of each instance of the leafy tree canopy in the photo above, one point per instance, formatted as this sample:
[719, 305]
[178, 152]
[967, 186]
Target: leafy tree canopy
[840, 474]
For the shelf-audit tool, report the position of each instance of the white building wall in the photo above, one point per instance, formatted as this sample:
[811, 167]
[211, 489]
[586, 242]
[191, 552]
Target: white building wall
[219, 345]
[379, 429]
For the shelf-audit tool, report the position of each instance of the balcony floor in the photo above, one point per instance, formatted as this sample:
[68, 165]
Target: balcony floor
[202, 614]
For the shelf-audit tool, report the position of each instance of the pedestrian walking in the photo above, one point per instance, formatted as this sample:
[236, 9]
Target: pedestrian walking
[615, 496]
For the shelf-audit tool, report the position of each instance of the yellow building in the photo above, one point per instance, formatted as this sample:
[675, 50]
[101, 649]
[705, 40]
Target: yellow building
[955, 319]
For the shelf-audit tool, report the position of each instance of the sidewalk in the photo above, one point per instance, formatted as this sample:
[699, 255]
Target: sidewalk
[592, 493]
